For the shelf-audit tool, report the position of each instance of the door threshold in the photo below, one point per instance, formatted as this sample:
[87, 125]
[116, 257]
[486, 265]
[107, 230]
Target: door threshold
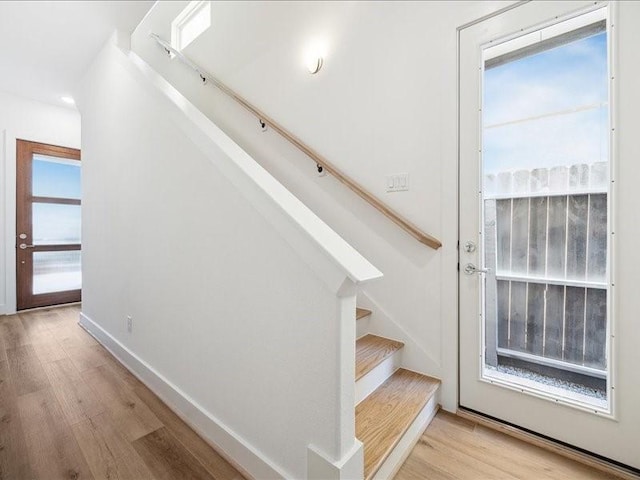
[47, 307]
[585, 457]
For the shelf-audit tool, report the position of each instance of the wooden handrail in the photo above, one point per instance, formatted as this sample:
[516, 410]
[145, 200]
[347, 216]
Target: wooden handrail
[395, 217]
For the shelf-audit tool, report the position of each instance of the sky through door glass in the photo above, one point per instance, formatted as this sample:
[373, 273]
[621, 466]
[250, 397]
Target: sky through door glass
[549, 109]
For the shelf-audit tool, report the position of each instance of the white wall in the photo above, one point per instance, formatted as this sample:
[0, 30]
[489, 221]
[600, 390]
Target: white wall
[24, 119]
[237, 309]
[385, 102]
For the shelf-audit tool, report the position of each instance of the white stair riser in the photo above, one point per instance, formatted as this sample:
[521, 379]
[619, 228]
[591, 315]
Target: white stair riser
[376, 377]
[402, 450]
[362, 326]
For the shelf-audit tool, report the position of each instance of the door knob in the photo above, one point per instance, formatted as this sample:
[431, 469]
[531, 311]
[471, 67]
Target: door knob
[470, 269]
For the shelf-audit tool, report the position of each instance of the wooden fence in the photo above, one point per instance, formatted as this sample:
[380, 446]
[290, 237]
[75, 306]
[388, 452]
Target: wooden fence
[546, 248]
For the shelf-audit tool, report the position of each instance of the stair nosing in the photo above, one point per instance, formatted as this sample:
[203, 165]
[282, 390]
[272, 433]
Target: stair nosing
[406, 427]
[397, 345]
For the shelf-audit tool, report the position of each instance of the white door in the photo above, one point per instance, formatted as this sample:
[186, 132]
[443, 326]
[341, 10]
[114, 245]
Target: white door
[549, 262]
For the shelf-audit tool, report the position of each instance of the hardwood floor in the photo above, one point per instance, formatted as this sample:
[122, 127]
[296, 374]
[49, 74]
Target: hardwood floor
[69, 410]
[453, 448]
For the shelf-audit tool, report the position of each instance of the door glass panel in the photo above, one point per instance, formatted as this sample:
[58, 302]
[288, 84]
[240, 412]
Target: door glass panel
[55, 177]
[545, 164]
[55, 224]
[56, 271]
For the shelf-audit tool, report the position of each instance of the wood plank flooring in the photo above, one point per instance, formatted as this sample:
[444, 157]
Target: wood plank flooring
[453, 448]
[69, 410]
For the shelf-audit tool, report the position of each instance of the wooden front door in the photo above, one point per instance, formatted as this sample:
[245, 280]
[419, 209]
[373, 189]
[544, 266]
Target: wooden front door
[47, 225]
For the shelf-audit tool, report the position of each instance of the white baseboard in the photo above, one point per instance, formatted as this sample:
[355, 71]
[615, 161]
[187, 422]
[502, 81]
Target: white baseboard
[402, 450]
[226, 442]
[351, 467]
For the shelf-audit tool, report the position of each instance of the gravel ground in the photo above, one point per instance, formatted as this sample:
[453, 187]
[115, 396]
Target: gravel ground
[535, 377]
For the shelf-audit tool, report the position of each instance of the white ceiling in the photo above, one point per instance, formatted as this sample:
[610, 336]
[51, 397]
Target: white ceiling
[46, 46]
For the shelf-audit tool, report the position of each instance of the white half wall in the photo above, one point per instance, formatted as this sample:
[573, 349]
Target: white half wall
[385, 102]
[241, 300]
[24, 119]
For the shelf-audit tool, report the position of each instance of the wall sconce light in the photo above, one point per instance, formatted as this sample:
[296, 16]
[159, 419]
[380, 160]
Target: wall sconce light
[314, 64]
[314, 54]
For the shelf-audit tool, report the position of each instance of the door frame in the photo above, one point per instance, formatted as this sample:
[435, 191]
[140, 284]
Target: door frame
[24, 153]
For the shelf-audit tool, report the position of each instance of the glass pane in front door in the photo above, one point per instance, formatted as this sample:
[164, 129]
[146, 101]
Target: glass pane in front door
[55, 177]
[56, 271]
[545, 175]
[55, 223]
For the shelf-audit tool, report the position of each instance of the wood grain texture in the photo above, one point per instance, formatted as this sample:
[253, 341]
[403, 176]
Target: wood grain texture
[36, 327]
[457, 448]
[109, 455]
[215, 464]
[85, 358]
[49, 351]
[168, 459]
[385, 415]
[13, 461]
[12, 332]
[371, 350]
[61, 371]
[77, 400]
[3, 350]
[494, 430]
[362, 312]
[70, 336]
[77, 424]
[130, 415]
[26, 370]
[52, 449]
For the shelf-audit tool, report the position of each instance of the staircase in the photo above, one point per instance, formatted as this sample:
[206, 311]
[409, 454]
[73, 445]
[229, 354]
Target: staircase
[393, 405]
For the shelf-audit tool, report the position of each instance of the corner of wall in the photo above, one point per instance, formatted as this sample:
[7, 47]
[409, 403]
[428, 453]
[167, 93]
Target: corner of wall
[121, 39]
[414, 356]
[8, 228]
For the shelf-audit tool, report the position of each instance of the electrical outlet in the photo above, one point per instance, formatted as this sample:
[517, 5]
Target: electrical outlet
[129, 323]
[398, 182]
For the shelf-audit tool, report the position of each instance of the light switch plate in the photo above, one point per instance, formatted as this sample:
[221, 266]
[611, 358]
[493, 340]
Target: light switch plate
[398, 182]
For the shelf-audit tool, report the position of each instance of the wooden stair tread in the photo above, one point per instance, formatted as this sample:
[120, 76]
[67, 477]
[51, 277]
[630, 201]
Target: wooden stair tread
[371, 350]
[362, 312]
[385, 415]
